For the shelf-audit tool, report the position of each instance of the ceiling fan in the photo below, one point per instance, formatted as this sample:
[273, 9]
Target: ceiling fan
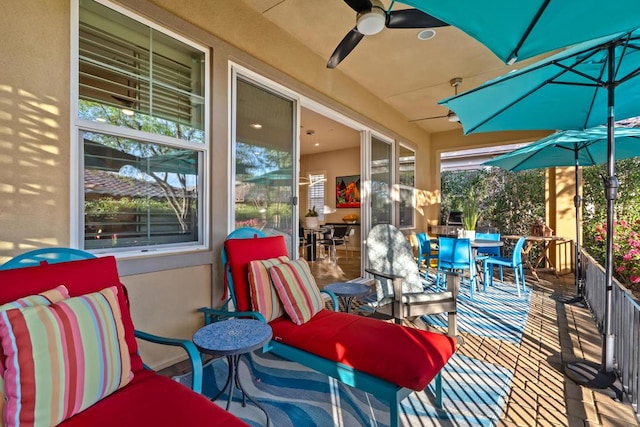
[371, 18]
[451, 116]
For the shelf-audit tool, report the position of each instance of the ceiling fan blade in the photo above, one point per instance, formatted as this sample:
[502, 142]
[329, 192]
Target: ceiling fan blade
[412, 18]
[429, 118]
[359, 5]
[345, 47]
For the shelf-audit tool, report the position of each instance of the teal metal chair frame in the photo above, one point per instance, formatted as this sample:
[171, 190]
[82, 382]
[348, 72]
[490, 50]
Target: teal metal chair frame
[381, 389]
[424, 250]
[456, 255]
[515, 262]
[483, 253]
[58, 254]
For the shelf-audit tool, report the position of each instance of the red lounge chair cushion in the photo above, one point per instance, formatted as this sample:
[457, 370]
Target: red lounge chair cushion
[81, 278]
[154, 400]
[404, 356]
[240, 252]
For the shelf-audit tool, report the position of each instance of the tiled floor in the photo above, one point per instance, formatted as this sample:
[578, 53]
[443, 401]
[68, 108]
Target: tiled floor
[555, 333]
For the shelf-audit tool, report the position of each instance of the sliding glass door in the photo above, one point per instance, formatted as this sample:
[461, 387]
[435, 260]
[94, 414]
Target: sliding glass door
[264, 159]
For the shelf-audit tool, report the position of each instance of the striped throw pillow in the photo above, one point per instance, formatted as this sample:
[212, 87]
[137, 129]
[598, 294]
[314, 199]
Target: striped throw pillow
[49, 297]
[264, 297]
[62, 358]
[297, 290]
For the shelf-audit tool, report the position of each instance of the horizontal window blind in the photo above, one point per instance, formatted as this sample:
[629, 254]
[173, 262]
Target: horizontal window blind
[116, 72]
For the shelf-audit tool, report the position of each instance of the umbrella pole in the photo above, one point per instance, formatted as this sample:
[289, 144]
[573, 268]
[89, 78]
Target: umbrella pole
[610, 193]
[577, 201]
[578, 300]
[602, 376]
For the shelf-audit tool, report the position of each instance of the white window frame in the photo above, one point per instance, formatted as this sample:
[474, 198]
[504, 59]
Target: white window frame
[78, 126]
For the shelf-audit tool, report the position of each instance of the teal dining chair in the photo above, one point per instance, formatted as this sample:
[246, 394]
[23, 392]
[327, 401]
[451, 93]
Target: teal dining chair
[482, 253]
[514, 262]
[425, 251]
[456, 255]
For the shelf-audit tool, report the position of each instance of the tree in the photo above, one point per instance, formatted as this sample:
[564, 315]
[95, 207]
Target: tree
[509, 201]
[172, 169]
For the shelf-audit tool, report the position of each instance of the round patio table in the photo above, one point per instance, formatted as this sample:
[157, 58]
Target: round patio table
[348, 291]
[233, 338]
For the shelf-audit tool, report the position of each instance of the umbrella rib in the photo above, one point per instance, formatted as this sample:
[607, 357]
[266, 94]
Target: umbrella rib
[514, 54]
[563, 70]
[510, 76]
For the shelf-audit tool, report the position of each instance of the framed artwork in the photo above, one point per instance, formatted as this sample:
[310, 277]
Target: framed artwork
[348, 191]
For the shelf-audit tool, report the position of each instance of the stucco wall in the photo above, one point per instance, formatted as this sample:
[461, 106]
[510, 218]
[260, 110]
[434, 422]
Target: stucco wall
[34, 126]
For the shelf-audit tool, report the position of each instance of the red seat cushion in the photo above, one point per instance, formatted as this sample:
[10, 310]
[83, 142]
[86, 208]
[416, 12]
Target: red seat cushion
[242, 251]
[154, 400]
[149, 399]
[80, 277]
[404, 356]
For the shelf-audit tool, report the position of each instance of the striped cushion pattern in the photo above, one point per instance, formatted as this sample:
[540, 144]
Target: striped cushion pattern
[49, 297]
[264, 297]
[62, 358]
[297, 290]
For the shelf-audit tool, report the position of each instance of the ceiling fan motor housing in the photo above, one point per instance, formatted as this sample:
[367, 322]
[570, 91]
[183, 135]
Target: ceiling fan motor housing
[372, 21]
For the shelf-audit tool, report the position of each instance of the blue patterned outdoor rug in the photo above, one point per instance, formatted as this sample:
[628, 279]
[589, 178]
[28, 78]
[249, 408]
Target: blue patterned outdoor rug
[499, 313]
[294, 396]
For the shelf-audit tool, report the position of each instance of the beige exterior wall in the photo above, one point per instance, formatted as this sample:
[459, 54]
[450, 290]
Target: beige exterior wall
[35, 129]
[561, 215]
[34, 126]
[165, 303]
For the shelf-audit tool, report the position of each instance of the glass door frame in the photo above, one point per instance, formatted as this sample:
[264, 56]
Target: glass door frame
[237, 72]
[366, 138]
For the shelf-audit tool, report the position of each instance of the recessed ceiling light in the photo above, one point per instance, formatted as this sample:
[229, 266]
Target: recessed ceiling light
[317, 144]
[426, 34]
[256, 125]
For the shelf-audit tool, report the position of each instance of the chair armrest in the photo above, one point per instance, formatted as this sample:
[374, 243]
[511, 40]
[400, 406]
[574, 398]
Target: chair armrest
[333, 299]
[188, 346]
[384, 275]
[453, 282]
[213, 315]
[396, 282]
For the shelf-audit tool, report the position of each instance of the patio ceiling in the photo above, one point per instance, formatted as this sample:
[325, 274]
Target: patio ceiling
[409, 74]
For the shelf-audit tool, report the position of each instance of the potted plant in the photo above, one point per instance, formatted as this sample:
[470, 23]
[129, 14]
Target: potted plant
[311, 218]
[470, 215]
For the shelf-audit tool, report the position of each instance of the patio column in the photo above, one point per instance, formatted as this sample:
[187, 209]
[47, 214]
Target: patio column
[561, 214]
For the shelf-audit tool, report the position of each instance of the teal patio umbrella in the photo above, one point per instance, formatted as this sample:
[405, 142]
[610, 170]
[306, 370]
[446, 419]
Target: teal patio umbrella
[516, 30]
[581, 87]
[571, 148]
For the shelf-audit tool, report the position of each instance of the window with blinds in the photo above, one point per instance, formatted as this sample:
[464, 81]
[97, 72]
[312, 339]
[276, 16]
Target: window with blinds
[129, 69]
[141, 108]
[316, 193]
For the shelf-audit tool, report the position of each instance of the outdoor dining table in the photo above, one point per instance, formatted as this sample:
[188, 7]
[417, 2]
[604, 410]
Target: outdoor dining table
[543, 243]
